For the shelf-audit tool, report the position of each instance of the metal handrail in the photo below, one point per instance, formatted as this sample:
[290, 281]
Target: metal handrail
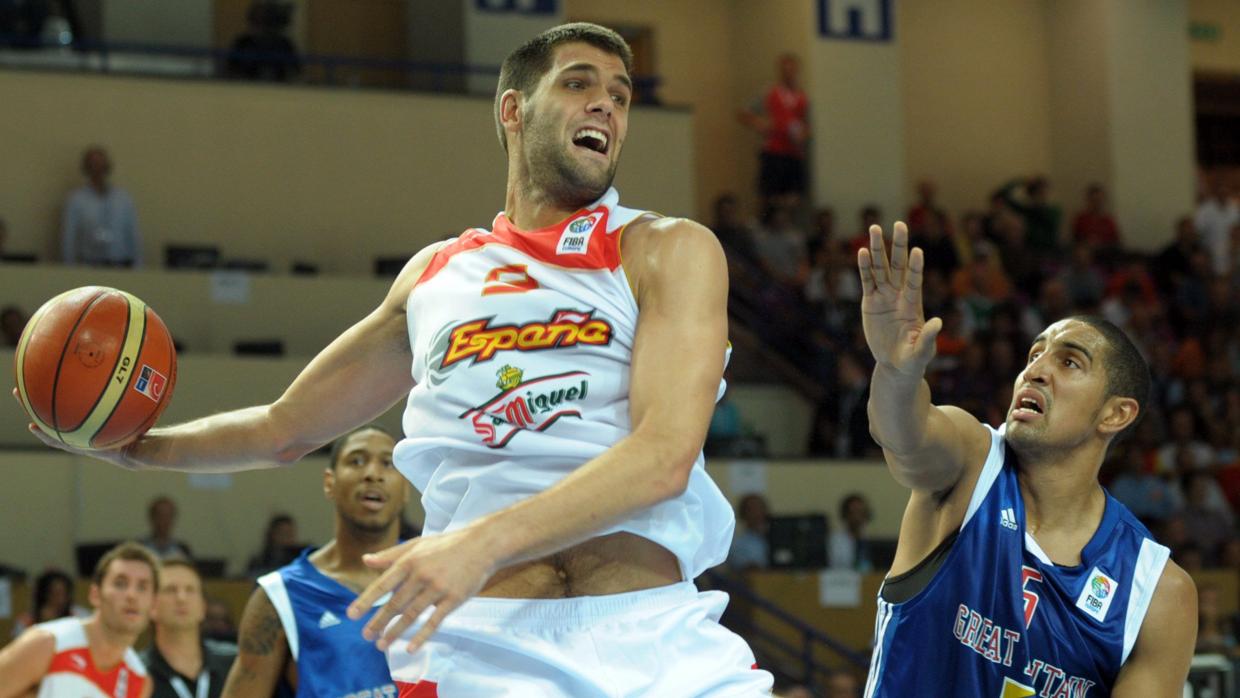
[329, 62]
[810, 635]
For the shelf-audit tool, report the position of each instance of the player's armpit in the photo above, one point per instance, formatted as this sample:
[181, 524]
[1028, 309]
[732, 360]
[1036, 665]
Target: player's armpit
[24, 662]
[1158, 665]
[262, 651]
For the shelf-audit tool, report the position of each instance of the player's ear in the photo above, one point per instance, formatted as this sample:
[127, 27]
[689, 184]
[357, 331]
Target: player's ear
[94, 596]
[329, 482]
[510, 104]
[1117, 413]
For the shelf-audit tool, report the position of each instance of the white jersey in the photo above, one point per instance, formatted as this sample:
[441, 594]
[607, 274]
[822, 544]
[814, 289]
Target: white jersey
[522, 344]
[73, 673]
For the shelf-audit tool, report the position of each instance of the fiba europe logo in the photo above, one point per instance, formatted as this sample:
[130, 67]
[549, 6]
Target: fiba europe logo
[1101, 587]
[581, 225]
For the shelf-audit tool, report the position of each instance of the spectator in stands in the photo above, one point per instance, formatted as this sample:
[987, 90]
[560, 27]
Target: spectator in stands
[1216, 631]
[1215, 217]
[980, 287]
[161, 513]
[823, 232]
[1208, 521]
[972, 234]
[179, 657]
[736, 236]
[843, 684]
[264, 51]
[52, 598]
[870, 215]
[1094, 225]
[1186, 451]
[100, 224]
[12, 322]
[833, 290]
[218, 623]
[750, 548]
[1147, 495]
[852, 437]
[926, 211]
[1041, 218]
[782, 118]
[782, 246]
[933, 233]
[849, 547]
[1082, 279]
[1172, 263]
[280, 546]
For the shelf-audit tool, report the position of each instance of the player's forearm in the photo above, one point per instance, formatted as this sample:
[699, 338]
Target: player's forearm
[899, 410]
[635, 474]
[230, 441]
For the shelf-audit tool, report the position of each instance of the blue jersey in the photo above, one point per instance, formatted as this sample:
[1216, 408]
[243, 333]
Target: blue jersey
[1000, 620]
[333, 660]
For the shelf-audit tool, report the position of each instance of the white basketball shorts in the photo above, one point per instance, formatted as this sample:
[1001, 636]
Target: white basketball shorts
[662, 643]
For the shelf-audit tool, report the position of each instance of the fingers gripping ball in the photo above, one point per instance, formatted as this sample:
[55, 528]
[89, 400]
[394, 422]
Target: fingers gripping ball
[95, 367]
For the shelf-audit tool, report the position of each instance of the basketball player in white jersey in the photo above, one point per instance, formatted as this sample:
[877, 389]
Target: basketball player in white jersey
[564, 369]
[90, 657]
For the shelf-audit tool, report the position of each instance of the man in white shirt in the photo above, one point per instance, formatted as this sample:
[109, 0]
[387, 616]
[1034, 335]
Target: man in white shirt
[1216, 215]
[100, 225]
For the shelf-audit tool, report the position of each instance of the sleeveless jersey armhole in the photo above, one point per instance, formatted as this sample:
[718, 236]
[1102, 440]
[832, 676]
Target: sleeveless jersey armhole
[1149, 568]
[273, 584]
[990, 472]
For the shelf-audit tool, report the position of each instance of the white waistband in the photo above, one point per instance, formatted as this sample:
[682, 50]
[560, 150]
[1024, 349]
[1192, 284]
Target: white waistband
[572, 611]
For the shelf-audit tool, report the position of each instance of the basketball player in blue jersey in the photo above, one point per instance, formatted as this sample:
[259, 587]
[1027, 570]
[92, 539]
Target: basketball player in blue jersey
[295, 626]
[559, 372]
[1015, 574]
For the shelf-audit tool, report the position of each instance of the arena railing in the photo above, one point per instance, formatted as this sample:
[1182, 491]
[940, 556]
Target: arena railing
[208, 62]
[797, 662]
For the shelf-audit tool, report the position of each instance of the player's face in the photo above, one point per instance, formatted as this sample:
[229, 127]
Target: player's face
[125, 596]
[1058, 397]
[368, 491]
[180, 604]
[575, 123]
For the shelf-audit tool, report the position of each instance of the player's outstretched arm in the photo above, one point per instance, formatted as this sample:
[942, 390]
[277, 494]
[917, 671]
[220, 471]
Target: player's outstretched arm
[357, 378]
[927, 447]
[25, 661]
[262, 651]
[679, 274]
[1158, 664]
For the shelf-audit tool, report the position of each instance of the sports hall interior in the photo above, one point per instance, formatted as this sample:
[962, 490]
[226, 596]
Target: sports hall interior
[304, 193]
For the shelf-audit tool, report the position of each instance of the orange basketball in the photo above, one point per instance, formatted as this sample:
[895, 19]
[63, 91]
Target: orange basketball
[95, 367]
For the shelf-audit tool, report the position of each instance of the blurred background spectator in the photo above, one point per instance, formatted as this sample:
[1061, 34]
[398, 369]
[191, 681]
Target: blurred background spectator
[100, 223]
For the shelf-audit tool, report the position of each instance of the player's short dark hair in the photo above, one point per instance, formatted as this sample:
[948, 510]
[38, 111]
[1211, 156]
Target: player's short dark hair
[128, 550]
[1128, 374]
[526, 65]
[338, 444]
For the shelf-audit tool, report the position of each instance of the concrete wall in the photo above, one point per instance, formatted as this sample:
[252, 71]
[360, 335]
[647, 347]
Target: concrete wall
[52, 500]
[285, 173]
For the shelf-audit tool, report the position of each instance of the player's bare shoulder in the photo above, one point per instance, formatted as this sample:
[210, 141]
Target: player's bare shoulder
[654, 245]
[26, 660]
[408, 277]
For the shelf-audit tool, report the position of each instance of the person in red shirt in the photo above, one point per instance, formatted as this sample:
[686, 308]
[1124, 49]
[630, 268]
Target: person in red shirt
[782, 117]
[1095, 224]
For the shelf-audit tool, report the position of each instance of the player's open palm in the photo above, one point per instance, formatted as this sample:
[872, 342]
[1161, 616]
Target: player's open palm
[891, 311]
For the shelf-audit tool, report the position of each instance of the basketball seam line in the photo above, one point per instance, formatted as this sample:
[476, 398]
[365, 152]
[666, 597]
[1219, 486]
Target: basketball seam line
[138, 355]
[132, 373]
[61, 362]
[120, 355]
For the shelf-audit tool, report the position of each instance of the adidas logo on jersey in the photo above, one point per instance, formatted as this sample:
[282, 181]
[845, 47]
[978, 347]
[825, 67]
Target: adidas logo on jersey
[1007, 518]
[327, 620]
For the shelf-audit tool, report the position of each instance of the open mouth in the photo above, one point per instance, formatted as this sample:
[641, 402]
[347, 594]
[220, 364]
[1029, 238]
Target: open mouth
[1029, 405]
[373, 501]
[592, 139]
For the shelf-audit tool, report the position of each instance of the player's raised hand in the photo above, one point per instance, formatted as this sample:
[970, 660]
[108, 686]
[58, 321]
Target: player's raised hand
[442, 570]
[895, 327]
